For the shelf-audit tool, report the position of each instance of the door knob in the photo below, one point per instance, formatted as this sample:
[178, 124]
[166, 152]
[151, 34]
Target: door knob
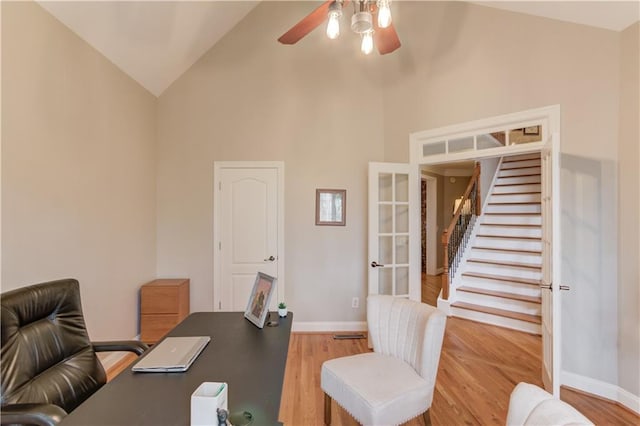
[375, 264]
[270, 259]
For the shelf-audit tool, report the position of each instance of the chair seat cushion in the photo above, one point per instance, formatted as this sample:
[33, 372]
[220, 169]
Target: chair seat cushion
[354, 382]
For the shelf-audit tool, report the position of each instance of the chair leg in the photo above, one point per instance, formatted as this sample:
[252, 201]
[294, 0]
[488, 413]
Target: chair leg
[426, 416]
[327, 409]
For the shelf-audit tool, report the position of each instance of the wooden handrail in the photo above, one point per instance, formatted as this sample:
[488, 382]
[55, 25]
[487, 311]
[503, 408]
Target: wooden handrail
[446, 235]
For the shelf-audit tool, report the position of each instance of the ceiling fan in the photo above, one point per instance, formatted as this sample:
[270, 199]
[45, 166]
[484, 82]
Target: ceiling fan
[371, 20]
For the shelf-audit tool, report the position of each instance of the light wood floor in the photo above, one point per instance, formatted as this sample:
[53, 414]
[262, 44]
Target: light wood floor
[479, 366]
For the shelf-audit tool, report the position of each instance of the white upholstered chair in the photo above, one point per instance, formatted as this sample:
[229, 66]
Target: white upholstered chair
[395, 382]
[530, 405]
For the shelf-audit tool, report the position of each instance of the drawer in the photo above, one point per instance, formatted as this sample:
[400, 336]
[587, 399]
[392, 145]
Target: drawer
[154, 327]
[159, 300]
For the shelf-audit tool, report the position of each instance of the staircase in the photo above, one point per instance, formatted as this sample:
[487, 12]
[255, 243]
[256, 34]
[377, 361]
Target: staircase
[499, 281]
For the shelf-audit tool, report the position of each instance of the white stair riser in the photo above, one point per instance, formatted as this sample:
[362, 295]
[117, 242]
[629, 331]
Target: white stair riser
[518, 179]
[505, 256]
[496, 320]
[512, 305]
[517, 164]
[513, 208]
[519, 172]
[530, 187]
[512, 219]
[510, 231]
[515, 198]
[521, 157]
[509, 271]
[497, 285]
[509, 244]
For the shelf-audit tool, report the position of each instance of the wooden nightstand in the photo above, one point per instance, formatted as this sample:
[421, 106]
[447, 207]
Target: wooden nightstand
[163, 304]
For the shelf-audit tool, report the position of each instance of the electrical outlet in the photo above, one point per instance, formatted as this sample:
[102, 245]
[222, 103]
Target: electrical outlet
[355, 303]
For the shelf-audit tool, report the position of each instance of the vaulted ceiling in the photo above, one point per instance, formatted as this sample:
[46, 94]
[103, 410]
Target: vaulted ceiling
[157, 41]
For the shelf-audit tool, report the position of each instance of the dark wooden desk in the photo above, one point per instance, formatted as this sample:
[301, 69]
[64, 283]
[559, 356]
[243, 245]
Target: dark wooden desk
[250, 360]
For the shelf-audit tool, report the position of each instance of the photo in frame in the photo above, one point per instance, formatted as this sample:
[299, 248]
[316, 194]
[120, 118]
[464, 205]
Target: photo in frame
[331, 207]
[258, 306]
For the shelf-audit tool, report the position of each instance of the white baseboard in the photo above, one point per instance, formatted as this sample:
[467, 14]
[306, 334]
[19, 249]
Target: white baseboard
[602, 389]
[329, 326]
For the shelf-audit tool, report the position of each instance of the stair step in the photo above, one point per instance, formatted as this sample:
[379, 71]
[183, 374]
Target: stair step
[515, 198]
[514, 213]
[509, 243]
[502, 278]
[519, 164]
[511, 230]
[503, 294]
[511, 225]
[518, 180]
[536, 319]
[512, 203]
[509, 237]
[500, 194]
[512, 219]
[518, 188]
[499, 255]
[539, 252]
[521, 171]
[513, 208]
[521, 157]
[518, 183]
[535, 266]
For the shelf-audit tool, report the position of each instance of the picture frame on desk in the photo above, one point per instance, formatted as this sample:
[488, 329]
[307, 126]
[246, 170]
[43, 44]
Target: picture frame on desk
[258, 305]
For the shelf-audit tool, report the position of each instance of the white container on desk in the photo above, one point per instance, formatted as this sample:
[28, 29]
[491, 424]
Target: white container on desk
[205, 401]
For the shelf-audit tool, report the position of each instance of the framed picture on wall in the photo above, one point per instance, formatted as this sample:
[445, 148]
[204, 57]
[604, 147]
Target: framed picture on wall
[258, 306]
[331, 207]
[531, 130]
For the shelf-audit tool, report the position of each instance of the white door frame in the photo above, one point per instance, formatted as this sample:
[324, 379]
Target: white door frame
[432, 224]
[549, 117]
[217, 272]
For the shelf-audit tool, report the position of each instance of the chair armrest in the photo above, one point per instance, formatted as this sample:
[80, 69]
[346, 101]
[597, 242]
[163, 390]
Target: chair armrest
[120, 345]
[31, 414]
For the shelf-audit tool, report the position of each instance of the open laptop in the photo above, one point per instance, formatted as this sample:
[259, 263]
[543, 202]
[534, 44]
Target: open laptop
[173, 354]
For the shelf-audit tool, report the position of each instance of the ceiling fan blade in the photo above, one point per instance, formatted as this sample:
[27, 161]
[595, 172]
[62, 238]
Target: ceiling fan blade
[386, 39]
[306, 25]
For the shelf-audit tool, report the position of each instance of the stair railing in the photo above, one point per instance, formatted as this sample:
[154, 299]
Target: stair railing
[456, 236]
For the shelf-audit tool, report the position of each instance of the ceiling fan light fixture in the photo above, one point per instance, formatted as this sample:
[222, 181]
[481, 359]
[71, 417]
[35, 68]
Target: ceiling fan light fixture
[384, 13]
[361, 22]
[367, 42]
[333, 26]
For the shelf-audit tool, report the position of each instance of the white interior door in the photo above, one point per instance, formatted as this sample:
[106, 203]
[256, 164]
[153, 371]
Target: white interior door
[394, 230]
[248, 232]
[551, 266]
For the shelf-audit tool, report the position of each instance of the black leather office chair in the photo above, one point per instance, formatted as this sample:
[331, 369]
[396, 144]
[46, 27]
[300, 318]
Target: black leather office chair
[48, 365]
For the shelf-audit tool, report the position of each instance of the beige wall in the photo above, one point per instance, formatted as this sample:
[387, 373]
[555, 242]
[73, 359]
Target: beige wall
[78, 170]
[315, 106]
[629, 212]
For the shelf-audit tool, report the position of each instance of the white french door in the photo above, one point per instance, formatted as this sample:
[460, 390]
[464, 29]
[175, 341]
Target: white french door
[550, 285]
[248, 229]
[394, 230]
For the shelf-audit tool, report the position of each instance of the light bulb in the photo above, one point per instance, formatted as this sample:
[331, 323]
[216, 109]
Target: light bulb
[367, 42]
[333, 26]
[384, 14]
